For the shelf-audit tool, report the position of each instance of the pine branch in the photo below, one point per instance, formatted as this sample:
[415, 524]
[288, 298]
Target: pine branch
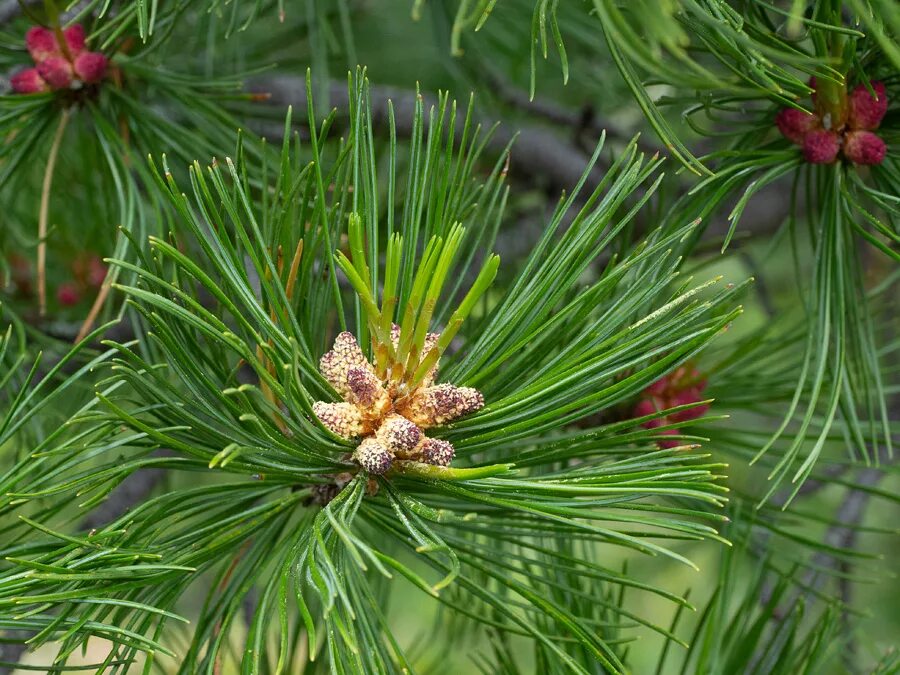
[134, 490]
[11, 652]
[850, 514]
[546, 352]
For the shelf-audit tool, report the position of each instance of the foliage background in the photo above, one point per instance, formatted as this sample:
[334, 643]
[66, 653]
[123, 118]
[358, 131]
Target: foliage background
[557, 133]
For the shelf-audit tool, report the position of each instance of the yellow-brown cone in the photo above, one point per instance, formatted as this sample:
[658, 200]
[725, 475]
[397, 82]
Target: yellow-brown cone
[373, 456]
[440, 404]
[336, 364]
[342, 419]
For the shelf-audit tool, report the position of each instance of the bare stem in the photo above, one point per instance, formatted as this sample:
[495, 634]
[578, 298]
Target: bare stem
[99, 301]
[44, 212]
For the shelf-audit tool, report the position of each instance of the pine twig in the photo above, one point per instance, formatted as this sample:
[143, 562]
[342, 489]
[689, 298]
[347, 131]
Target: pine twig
[540, 155]
[96, 308]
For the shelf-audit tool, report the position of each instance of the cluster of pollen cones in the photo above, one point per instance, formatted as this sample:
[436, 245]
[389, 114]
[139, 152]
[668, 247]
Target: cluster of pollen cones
[389, 420]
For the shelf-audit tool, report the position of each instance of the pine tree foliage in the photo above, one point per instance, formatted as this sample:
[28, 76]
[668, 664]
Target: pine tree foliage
[618, 453]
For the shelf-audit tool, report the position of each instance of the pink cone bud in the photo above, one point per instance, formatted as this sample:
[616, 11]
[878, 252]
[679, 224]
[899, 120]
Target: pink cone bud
[41, 43]
[659, 387]
[96, 272]
[866, 111]
[795, 124]
[689, 413]
[28, 81]
[864, 147]
[681, 387]
[684, 397]
[691, 394]
[90, 67]
[645, 407]
[821, 146]
[68, 294]
[56, 71]
[89, 270]
[657, 422]
[668, 444]
[74, 37]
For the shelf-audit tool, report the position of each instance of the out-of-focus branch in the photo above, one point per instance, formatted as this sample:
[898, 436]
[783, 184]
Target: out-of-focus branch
[10, 9]
[132, 491]
[577, 122]
[841, 536]
[539, 155]
[11, 652]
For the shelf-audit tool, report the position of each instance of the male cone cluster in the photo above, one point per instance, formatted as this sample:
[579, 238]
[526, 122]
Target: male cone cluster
[849, 131]
[88, 273]
[389, 420]
[58, 64]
